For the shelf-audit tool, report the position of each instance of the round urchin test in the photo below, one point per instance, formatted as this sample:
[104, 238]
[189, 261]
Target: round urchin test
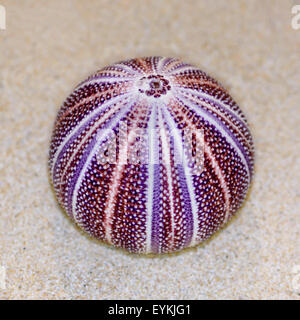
[151, 155]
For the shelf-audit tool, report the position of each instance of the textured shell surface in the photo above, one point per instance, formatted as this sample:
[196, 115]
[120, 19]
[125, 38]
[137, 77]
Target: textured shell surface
[151, 155]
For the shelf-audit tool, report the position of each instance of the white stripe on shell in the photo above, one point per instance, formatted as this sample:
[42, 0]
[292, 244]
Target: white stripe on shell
[127, 68]
[210, 107]
[218, 172]
[113, 189]
[176, 71]
[204, 95]
[153, 159]
[95, 149]
[181, 153]
[88, 134]
[166, 156]
[104, 79]
[83, 122]
[209, 119]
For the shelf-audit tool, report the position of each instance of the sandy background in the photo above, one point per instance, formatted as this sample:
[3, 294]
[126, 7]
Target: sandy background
[49, 46]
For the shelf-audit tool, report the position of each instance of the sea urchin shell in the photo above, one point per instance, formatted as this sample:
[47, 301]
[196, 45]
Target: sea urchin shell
[151, 155]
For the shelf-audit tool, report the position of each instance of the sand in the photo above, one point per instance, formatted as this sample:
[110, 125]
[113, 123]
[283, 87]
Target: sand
[48, 47]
